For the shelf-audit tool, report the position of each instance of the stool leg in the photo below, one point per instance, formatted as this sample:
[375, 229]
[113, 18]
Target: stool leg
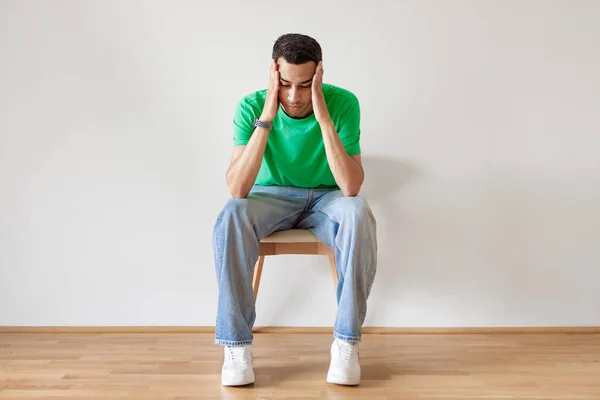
[257, 273]
[334, 272]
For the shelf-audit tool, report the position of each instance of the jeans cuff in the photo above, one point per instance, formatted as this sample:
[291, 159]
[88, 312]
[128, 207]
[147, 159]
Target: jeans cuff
[233, 343]
[352, 339]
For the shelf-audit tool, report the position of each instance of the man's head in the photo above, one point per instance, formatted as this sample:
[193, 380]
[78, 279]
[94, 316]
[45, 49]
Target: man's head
[297, 57]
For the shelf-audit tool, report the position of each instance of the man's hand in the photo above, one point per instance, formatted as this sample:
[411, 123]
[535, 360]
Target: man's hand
[272, 101]
[347, 171]
[318, 99]
[246, 160]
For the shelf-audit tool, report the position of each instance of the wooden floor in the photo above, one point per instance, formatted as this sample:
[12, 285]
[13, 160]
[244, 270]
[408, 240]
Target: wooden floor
[293, 366]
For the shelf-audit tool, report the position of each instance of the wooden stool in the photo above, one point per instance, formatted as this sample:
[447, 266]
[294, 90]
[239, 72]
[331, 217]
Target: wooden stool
[292, 241]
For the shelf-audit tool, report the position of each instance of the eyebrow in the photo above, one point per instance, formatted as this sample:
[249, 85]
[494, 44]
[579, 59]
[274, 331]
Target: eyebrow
[302, 83]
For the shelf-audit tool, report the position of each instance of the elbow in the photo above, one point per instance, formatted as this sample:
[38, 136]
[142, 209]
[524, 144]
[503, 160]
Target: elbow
[236, 188]
[238, 195]
[350, 190]
[237, 191]
[350, 193]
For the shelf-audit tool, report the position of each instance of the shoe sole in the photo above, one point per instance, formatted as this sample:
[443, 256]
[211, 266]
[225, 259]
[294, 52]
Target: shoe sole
[237, 380]
[341, 380]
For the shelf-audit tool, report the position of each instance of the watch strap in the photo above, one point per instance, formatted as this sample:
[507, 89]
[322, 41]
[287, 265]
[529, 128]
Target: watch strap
[263, 124]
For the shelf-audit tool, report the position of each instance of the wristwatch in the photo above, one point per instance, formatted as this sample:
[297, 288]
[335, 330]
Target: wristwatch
[262, 124]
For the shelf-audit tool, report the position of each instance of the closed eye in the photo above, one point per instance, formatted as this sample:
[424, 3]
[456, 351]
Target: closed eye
[304, 85]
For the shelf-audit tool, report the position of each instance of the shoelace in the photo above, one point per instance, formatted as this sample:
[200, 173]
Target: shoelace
[238, 354]
[345, 351]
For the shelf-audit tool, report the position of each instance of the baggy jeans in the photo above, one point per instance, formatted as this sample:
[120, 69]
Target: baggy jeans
[346, 224]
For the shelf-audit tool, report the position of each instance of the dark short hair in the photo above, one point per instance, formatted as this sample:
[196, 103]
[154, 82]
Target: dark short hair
[297, 49]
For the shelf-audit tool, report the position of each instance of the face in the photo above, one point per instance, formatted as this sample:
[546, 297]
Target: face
[295, 94]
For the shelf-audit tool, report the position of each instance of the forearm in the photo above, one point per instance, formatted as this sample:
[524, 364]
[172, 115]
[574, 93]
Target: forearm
[348, 173]
[242, 173]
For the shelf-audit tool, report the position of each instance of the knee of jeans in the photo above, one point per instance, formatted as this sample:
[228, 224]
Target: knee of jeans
[356, 209]
[234, 210]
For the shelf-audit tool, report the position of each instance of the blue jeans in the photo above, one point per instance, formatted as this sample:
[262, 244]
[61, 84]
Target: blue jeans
[346, 224]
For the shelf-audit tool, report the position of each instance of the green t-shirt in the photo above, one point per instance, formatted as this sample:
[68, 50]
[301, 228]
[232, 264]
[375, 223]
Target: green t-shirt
[295, 152]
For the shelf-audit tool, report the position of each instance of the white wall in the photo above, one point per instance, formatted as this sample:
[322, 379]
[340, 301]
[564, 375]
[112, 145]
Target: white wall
[481, 141]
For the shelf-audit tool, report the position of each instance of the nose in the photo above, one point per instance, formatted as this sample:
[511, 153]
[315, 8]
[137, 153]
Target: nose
[292, 95]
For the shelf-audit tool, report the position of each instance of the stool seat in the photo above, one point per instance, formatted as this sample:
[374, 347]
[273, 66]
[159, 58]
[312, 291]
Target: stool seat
[291, 236]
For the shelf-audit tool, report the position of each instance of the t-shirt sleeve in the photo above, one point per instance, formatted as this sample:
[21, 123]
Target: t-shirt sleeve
[243, 121]
[349, 128]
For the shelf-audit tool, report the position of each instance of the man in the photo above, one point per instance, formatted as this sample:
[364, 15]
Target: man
[296, 164]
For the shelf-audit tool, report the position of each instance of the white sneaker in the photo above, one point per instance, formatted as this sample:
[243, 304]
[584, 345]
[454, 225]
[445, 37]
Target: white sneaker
[237, 366]
[345, 367]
